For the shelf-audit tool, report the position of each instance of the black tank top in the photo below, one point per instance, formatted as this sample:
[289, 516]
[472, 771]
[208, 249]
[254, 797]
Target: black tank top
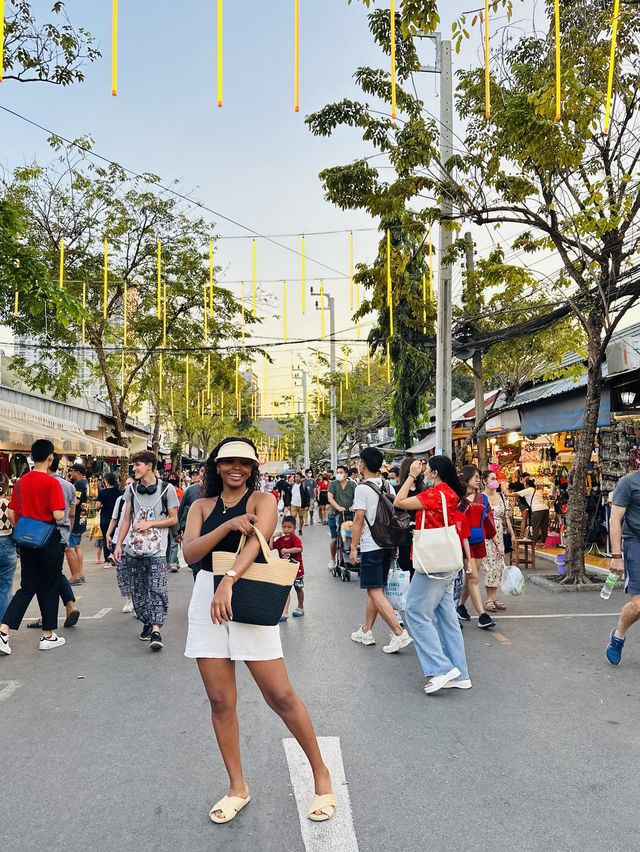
[231, 541]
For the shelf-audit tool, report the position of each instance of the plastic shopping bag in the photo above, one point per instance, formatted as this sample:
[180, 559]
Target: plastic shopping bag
[397, 587]
[512, 581]
[182, 562]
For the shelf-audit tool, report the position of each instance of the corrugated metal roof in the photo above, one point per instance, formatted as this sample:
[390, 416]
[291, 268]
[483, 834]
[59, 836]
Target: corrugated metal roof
[551, 389]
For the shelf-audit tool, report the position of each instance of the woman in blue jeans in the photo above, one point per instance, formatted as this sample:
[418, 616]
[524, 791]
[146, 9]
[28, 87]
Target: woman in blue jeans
[7, 547]
[430, 613]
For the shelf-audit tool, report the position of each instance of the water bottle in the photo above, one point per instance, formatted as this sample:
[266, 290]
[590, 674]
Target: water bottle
[609, 586]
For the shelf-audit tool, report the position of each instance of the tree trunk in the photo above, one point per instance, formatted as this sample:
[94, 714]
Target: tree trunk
[576, 515]
[156, 427]
[480, 409]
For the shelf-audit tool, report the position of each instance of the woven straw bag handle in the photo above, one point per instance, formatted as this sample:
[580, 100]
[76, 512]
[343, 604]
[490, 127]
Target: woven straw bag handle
[263, 544]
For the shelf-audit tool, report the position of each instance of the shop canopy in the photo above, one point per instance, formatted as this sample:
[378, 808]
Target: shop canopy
[564, 414]
[20, 427]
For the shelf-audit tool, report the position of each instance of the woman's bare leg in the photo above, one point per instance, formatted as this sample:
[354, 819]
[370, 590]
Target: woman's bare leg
[219, 678]
[273, 681]
[472, 587]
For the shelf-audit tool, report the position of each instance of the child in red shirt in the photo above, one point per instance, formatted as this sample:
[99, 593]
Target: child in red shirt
[289, 546]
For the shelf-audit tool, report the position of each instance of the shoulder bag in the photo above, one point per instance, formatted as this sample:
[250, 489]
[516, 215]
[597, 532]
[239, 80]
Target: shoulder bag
[29, 532]
[259, 596]
[438, 551]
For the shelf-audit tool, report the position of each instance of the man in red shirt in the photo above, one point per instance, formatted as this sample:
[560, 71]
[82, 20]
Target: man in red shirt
[39, 496]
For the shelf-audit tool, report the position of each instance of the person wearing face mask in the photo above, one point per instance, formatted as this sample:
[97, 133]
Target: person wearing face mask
[393, 479]
[493, 562]
[340, 496]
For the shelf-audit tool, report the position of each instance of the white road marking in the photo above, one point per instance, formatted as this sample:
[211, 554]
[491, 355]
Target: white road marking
[101, 613]
[337, 834]
[563, 615]
[8, 689]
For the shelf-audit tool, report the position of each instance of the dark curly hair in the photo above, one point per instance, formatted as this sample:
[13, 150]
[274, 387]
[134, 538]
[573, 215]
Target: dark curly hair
[212, 479]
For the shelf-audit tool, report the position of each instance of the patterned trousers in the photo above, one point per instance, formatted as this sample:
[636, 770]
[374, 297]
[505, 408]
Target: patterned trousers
[148, 584]
[123, 576]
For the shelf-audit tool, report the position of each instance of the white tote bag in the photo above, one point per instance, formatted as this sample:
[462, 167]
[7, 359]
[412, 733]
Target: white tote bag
[438, 551]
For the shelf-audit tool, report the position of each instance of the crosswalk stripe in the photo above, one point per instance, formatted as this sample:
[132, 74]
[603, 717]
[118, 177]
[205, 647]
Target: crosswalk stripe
[8, 689]
[337, 834]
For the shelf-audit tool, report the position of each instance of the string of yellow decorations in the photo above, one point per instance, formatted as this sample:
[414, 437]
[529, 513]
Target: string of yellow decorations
[125, 313]
[16, 304]
[612, 63]
[210, 279]
[164, 314]
[242, 311]
[296, 55]
[368, 364]
[61, 273]
[114, 48]
[159, 282]
[160, 372]
[558, 65]
[322, 309]
[84, 308]
[105, 277]
[392, 14]
[487, 68]
[389, 284]
[351, 270]
[303, 278]
[388, 362]
[205, 317]
[254, 285]
[122, 375]
[1, 38]
[219, 53]
[284, 310]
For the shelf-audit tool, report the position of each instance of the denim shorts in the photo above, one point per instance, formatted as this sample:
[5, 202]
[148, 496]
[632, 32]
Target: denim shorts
[333, 526]
[75, 539]
[374, 568]
[298, 583]
[631, 550]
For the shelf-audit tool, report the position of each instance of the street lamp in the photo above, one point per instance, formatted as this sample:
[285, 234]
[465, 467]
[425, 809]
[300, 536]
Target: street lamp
[333, 440]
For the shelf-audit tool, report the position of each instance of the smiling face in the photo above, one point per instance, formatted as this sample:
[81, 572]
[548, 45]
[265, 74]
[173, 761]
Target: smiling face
[235, 472]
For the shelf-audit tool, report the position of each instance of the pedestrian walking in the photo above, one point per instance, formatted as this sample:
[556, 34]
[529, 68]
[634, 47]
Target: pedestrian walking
[375, 561]
[300, 500]
[624, 533]
[309, 484]
[150, 509]
[105, 502]
[123, 577]
[75, 558]
[498, 547]
[416, 486]
[8, 555]
[38, 499]
[482, 527]
[289, 546]
[232, 507]
[538, 511]
[340, 495]
[322, 497]
[430, 613]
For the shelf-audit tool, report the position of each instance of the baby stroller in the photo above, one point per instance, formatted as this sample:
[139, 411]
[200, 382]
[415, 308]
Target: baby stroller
[343, 566]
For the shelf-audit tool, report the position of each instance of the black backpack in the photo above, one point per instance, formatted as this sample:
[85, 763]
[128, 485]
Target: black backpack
[391, 525]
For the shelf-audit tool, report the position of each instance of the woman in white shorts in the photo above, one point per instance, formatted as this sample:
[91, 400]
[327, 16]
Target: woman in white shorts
[230, 506]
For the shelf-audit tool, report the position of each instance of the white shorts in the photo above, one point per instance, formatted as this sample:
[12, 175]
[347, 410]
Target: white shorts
[227, 642]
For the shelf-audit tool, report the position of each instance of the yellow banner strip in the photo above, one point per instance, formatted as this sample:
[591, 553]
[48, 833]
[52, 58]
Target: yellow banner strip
[61, 275]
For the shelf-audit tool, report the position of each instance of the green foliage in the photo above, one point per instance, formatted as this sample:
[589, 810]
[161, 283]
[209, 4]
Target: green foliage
[52, 52]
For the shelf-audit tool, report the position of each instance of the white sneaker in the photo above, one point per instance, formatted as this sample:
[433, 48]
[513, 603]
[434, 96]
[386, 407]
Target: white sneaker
[362, 637]
[397, 642]
[435, 684]
[458, 684]
[5, 647]
[128, 607]
[331, 564]
[53, 641]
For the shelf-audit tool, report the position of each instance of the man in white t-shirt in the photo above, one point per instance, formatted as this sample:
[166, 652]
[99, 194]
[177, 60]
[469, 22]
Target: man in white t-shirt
[299, 501]
[375, 561]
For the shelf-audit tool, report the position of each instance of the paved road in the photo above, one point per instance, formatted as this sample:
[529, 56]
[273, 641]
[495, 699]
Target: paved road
[108, 747]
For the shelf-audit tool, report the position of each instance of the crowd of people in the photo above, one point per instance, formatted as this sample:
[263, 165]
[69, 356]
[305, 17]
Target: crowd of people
[449, 529]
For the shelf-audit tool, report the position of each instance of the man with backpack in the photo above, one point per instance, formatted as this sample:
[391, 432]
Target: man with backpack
[375, 526]
[150, 509]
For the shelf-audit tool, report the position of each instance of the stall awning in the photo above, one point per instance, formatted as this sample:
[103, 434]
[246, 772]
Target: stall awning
[424, 446]
[20, 427]
[563, 414]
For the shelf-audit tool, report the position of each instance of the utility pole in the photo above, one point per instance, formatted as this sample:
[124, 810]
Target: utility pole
[333, 439]
[478, 385]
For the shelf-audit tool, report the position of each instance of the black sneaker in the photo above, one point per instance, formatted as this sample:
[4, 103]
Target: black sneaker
[146, 633]
[485, 621]
[463, 615]
[156, 641]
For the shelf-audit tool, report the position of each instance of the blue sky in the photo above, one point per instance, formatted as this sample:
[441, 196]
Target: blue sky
[253, 160]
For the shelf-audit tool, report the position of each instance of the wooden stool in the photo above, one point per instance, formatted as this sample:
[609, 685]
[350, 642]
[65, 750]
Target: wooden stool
[525, 553]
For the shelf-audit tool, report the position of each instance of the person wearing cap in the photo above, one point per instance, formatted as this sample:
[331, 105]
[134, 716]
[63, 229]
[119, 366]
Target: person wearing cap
[78, 477]
[231, 506]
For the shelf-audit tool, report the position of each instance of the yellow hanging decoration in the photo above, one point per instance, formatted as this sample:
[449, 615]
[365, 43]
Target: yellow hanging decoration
[346, 367]
[164, 314]
[210, 279]
[296, 55]
[292, 405]
[84, 308]
[209, 395]
[160, 372]
[487, 69]
[105, 278]
[122, 375]
[219, 53]
[612, 63]
[388, 362]
[16, 304]
[114, 48]
[205, 316]
[351, 271]
[171, 402]
[159, 282]
[61, 275]
[558, 65]
[242, 311]
[322, 309]
[389, 284]
[237, 376]
[358, 308]
[303, 280]
[431, 293]
[254, 285]
[1, 38]
[341, 396]
[186, 386]
[393, 59]
[284, 310]
[424, 303]
[368, 364]
[125, 313]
